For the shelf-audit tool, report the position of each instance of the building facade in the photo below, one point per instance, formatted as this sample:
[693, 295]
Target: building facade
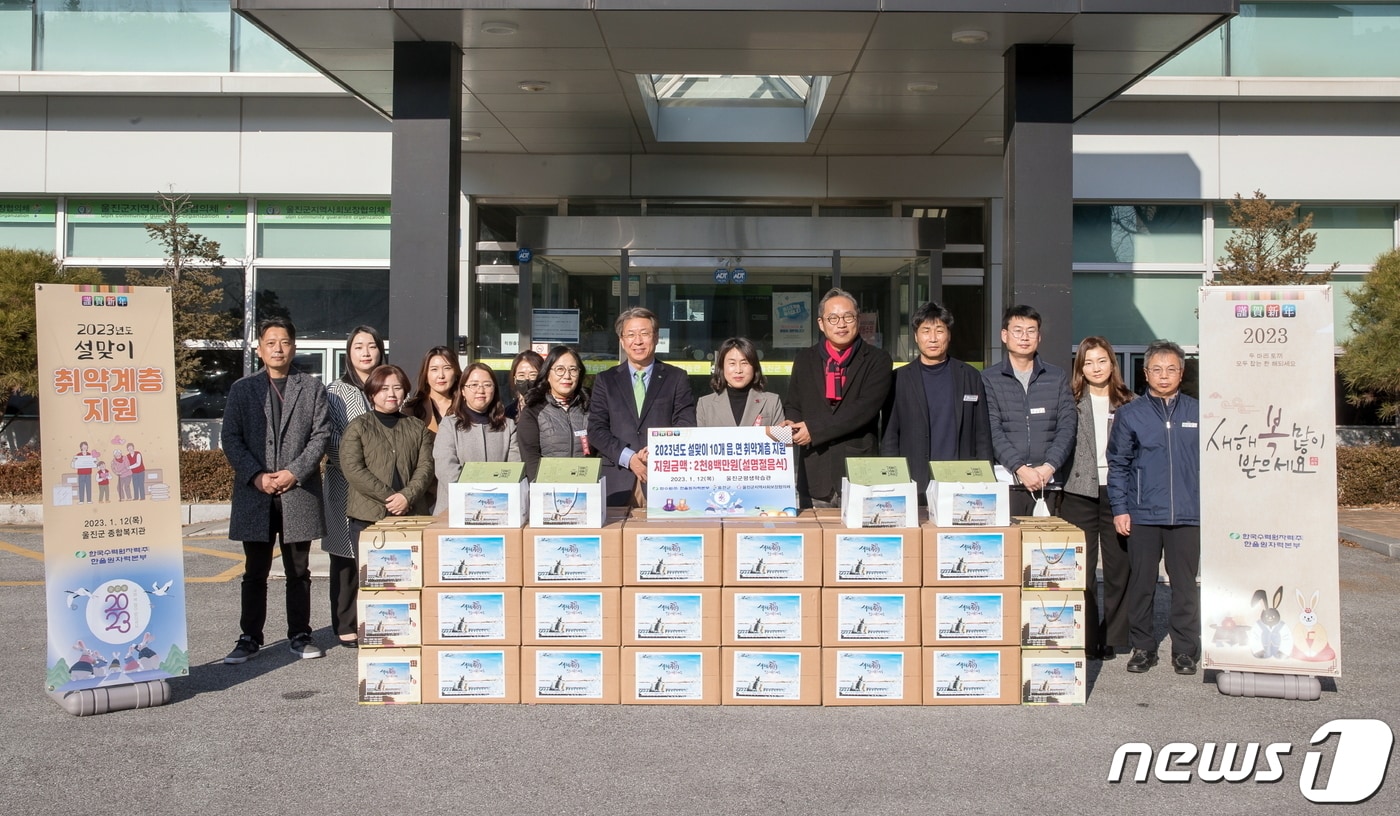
[1073, 155]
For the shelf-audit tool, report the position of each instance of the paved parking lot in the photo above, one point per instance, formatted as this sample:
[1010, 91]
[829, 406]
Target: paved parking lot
[278, 735]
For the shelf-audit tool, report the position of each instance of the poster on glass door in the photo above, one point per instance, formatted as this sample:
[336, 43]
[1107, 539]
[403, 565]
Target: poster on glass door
[792, 319]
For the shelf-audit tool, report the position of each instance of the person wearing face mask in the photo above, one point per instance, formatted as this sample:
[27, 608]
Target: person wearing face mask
[388, 462]
[524, 369]
[554, 421]
[437, 385]
[1098, 392]
[739, 398]
[476, 430]
[346, 400]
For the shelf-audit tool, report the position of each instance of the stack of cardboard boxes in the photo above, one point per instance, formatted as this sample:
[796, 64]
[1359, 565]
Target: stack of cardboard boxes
[1053, 583]
[791, 611]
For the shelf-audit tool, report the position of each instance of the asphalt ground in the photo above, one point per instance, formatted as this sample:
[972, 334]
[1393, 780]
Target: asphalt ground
[284, 736]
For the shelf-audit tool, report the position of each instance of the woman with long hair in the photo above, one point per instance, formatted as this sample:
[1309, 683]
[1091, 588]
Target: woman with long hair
[476, 430]
[524, 369]
[387, 458]
[437, 387]
[1099, 391]
[739, 397]
[346, 400]
[554, 421]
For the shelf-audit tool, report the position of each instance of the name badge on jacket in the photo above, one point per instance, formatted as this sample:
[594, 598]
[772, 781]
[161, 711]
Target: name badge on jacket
[1035, 411]
[969, 397]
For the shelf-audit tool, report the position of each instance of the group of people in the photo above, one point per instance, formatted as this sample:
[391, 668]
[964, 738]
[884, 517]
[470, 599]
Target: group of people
[1125, 470]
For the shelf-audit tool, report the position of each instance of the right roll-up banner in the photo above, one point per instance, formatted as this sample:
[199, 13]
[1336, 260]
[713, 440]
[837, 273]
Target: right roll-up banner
[1269, 586]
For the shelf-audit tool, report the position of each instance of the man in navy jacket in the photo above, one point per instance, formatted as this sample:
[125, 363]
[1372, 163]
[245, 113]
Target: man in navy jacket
[1154, 485]
[618, 422]
[940, 406]
[1032, 412]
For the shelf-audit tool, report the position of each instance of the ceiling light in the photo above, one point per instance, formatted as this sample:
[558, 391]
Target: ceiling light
[993, 140]
[971, 36]
[500, 28]
[470, 135]
[922, 86]
[533, 85]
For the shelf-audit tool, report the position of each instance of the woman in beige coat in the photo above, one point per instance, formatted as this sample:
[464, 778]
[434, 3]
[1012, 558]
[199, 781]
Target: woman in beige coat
[739, 398]
[388, 462]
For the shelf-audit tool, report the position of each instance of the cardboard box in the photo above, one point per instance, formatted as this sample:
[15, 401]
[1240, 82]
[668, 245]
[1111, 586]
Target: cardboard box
[857, 558]
[456, 557]
[391, 558]
[567, 505]
[471, 616]
[1053, 677]
[771, 676]
[670, 676]
[390, 618]
[972, 616]
[672, 552]
[786, 617]
[862, 677]
[567, 615]
[658, 616]
[970, 676]
[773, 553]
[573, 557]
[391, 676]
[879, 505]
[583, 674]
[1052, 620]
[1052, 558]
[872, 617]
[989, 556]
[498, 504]
[477, 674]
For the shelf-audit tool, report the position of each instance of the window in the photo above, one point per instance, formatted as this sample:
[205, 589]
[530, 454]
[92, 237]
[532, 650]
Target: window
[1137, 233]
[325, 304]
[116, 228]
[27, 224]
[323, 229]
[1350, 235]
[16, 35]
[109, 35]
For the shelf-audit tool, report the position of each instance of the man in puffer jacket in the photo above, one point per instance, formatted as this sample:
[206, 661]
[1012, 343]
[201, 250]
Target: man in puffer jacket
[1032, 413]
[1154, 478]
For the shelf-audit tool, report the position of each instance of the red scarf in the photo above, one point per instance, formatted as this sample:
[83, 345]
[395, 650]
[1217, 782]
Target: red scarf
[836, 363]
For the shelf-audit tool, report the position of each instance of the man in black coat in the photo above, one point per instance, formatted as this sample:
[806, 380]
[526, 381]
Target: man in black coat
[940, 406]
[838, 389]
[617, 427]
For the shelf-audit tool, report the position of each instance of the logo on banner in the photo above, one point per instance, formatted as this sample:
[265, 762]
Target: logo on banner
[1360, 760]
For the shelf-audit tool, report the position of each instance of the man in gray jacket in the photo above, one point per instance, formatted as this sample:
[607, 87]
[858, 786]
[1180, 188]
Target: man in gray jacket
[1032, 413]
[276, 428]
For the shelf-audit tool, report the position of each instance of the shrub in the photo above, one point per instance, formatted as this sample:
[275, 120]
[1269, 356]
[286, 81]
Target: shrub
[1365, 475]
[205, 476]
[21, 478]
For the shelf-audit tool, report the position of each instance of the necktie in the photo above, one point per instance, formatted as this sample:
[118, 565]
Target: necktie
[639, 389]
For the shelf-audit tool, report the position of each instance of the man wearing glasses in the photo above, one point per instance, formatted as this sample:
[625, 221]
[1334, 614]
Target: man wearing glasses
[629, 400]
[1032, 413]
[838, 389]
[1154, 485]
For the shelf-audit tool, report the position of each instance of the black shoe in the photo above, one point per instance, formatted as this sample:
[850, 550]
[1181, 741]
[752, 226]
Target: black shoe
[1184, 664]
[244, 649]
[1108, 653]
[1141, 661]
[305, 648]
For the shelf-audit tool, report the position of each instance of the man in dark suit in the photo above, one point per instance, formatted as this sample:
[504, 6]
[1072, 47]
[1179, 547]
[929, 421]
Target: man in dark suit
[940, 407]
[629, 400]
[276, 427]
[837, 392]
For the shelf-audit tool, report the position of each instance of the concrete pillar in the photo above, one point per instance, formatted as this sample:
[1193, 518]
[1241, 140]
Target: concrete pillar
[1039, 202]
[424, 245]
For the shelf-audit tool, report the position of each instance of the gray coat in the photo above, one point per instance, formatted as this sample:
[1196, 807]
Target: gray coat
[455, 445]
[713, 411]
[1034, 427]
[251, 451]
[1083, 479]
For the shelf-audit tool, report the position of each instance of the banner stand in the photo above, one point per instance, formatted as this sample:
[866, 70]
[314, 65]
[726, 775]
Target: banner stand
[86, 702]
[1258, 684]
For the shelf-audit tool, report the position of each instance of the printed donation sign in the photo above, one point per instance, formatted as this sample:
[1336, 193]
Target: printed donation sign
[1269, 596]
[721, 473]
[113, 559]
